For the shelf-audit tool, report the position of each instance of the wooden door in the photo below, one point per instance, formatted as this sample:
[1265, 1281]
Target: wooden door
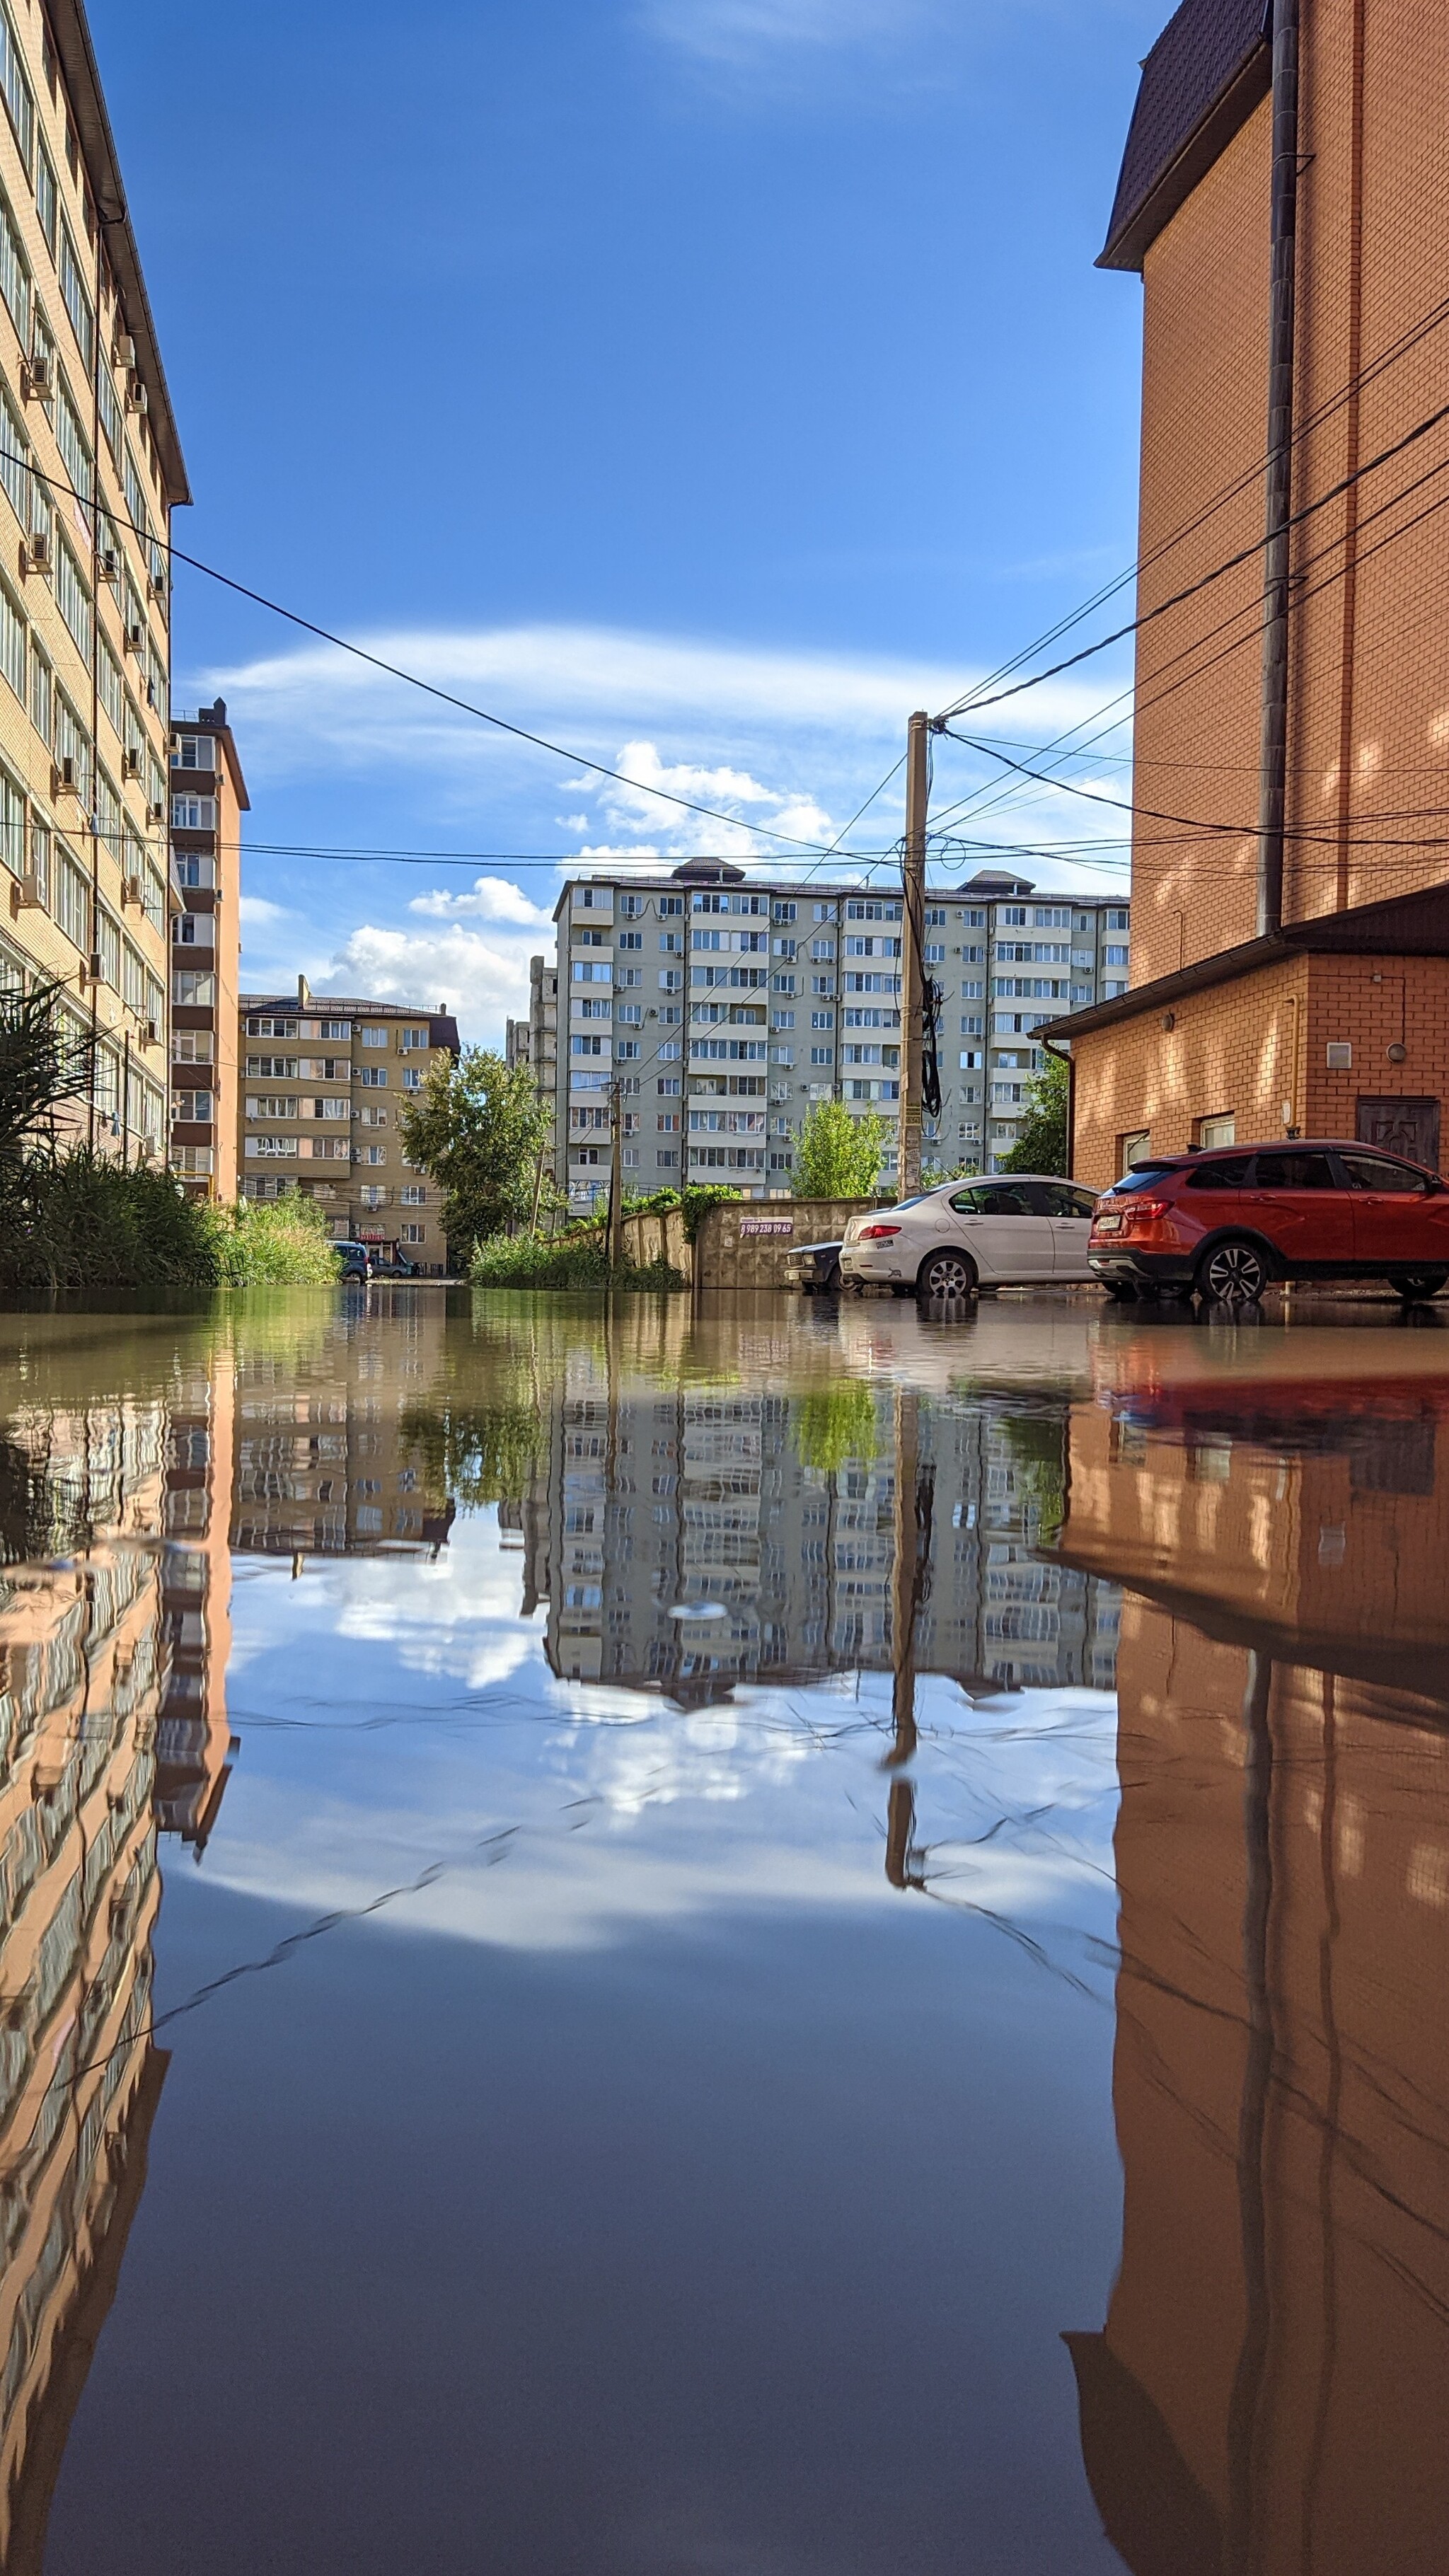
[1407, 1127]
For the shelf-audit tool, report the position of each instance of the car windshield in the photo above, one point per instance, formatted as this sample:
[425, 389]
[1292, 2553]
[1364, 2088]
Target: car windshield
[1143, 1176]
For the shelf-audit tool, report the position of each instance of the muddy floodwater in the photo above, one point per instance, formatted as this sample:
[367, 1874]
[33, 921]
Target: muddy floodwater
[789, 1943]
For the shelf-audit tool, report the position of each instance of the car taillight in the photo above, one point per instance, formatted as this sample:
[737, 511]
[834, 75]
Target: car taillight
[1153, 1207]
[876, 1233]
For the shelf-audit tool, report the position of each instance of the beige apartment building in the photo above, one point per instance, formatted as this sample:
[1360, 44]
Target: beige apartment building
[323, 1078]
[90, 470]
[208, 800]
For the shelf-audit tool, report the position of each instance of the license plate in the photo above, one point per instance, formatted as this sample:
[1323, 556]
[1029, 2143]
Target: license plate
[1108, 1225]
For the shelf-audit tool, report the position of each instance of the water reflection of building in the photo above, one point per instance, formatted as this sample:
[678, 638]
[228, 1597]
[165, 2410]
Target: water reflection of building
[113, 1629]
[325, 1460]
[1267, 2391]
[781, 1511]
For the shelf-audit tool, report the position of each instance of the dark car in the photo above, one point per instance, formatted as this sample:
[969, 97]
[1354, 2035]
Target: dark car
[356, 1259]
[1224, 1225]
[812, 1267]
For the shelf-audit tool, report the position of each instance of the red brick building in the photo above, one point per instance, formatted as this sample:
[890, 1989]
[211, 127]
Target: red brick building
[1285, 197]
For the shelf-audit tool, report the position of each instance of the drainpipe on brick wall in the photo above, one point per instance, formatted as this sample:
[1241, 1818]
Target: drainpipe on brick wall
[1273, 776]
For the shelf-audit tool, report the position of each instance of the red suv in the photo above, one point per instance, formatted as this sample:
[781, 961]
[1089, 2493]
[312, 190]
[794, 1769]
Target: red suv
[1224, 1225]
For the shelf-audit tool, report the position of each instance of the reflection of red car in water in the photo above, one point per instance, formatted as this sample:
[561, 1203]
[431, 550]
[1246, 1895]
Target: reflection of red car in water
[1386, 1426]
[1225, 1225]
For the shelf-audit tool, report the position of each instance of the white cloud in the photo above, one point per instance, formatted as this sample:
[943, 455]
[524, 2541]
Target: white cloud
[482, 981]
[489, 899]
[633, 809]
[256, 913]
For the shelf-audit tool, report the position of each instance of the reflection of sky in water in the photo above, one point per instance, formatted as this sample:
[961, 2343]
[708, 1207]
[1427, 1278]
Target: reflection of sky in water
[395, 1714]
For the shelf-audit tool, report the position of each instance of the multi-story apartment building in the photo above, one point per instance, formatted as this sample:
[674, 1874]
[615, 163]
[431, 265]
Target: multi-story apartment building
[725, 1006]
[784, 1525]
[208, 799]
[90, 469]
[322, 1079]
[534, 1041]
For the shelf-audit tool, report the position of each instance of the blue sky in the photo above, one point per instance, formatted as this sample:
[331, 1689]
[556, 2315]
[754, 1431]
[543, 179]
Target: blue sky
[702, 383]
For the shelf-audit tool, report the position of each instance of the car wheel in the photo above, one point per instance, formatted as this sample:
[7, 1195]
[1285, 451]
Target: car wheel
[833, 1282]
[1414, 1286]
[946, 1275]
[1235, 1273]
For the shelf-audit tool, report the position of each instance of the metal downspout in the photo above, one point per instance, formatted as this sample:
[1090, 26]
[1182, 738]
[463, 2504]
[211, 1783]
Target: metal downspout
[1273, 775]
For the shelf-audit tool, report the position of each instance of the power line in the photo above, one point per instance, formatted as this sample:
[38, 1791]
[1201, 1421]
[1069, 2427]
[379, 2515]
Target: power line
[412, 680]
[974, 704]
[1428, 322]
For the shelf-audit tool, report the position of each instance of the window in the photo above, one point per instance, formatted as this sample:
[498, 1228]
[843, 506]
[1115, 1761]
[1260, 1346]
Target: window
[1133, 1150]
[196, 1046]
[77, 302]
[194, 1106]
[935, 953]
[1230, 1174]
[375, 1038]
[1119, 919]
[109, 408]
[822, 1055]
[1294, 1172]
[16, 89]
[1366, 1172]
[12, 642]
[196, 751]
[630, 939]
[412, 1194]
[669, 904]
[193, 813]
[194, 992]
[412, 1039]
[1218, 1131]
[74, 446]
[1115, 955]
[935, 917]
[271, 1104]
[14, 275]
[72, 597]
[1011, 916]
[373, 1077]
[994, 1198]
[271, 1147]
[413, 1233]
[73, 902]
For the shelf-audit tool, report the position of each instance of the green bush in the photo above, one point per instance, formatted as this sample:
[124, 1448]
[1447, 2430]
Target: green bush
[276, 1243]
[79, 1220]
[578, 1259]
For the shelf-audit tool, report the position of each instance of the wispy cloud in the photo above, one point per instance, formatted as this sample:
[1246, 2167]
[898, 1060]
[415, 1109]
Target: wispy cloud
[735, 31]
[487, 899]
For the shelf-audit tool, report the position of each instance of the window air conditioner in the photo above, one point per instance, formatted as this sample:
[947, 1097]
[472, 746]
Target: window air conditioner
[155, 813]
[110, 566]
[135, 394]
[125, 353]
[36, 383]
[134, 892]
[150, 1034]
[34, 555]
[130, 764]
[135, 636]
[25, 894]
[62, 777]
[95, 966]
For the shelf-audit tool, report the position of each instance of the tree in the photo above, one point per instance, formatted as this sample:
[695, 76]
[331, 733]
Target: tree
[837, 1156]
[44, 1060]
[477, 1128]
[1041, 1139]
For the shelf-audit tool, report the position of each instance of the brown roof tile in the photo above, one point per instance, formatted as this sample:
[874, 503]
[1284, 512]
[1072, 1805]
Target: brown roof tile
[1204, 76]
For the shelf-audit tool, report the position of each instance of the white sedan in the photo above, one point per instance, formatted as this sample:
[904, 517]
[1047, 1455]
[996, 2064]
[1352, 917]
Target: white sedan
[1003, 1233]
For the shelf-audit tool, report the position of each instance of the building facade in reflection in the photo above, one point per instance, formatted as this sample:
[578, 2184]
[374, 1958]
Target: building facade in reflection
[326, 1463]
[114, 1626]
[1266, 2393]
[783, 1513]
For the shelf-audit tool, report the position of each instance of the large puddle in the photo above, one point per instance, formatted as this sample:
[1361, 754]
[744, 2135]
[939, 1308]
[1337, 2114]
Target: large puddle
[789, 1944]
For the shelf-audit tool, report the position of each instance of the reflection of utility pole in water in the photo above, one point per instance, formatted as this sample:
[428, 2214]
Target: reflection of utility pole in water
[915, 1493]
[1253, 2112]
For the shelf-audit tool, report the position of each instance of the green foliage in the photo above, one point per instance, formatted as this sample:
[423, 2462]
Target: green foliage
[834, 1423]
[837, 1156]
[79, 1220]
[274, 1243]
[477, 1128]
[44, 1061]
[1041, 1139]
[578, 1259]
[699, 1199]
[1037, 1442]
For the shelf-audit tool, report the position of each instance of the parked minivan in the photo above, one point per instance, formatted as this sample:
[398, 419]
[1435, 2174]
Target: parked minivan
[1224, 1225]
[356, 1260]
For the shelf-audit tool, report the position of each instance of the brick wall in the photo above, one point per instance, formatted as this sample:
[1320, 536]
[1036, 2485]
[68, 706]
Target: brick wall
[1369, 721]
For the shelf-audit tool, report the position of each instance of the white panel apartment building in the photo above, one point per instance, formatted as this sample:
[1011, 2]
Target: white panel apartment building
[726, 1006]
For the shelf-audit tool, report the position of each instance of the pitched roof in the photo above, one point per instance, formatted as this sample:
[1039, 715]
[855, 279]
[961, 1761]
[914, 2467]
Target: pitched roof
[1398, 925]
[1201, 82]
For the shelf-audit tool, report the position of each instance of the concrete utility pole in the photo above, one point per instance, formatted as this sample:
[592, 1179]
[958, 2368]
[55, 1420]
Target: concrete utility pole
[616, 1175]
[913, 961]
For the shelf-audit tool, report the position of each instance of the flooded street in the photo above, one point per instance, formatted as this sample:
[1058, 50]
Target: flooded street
[797, 1943]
